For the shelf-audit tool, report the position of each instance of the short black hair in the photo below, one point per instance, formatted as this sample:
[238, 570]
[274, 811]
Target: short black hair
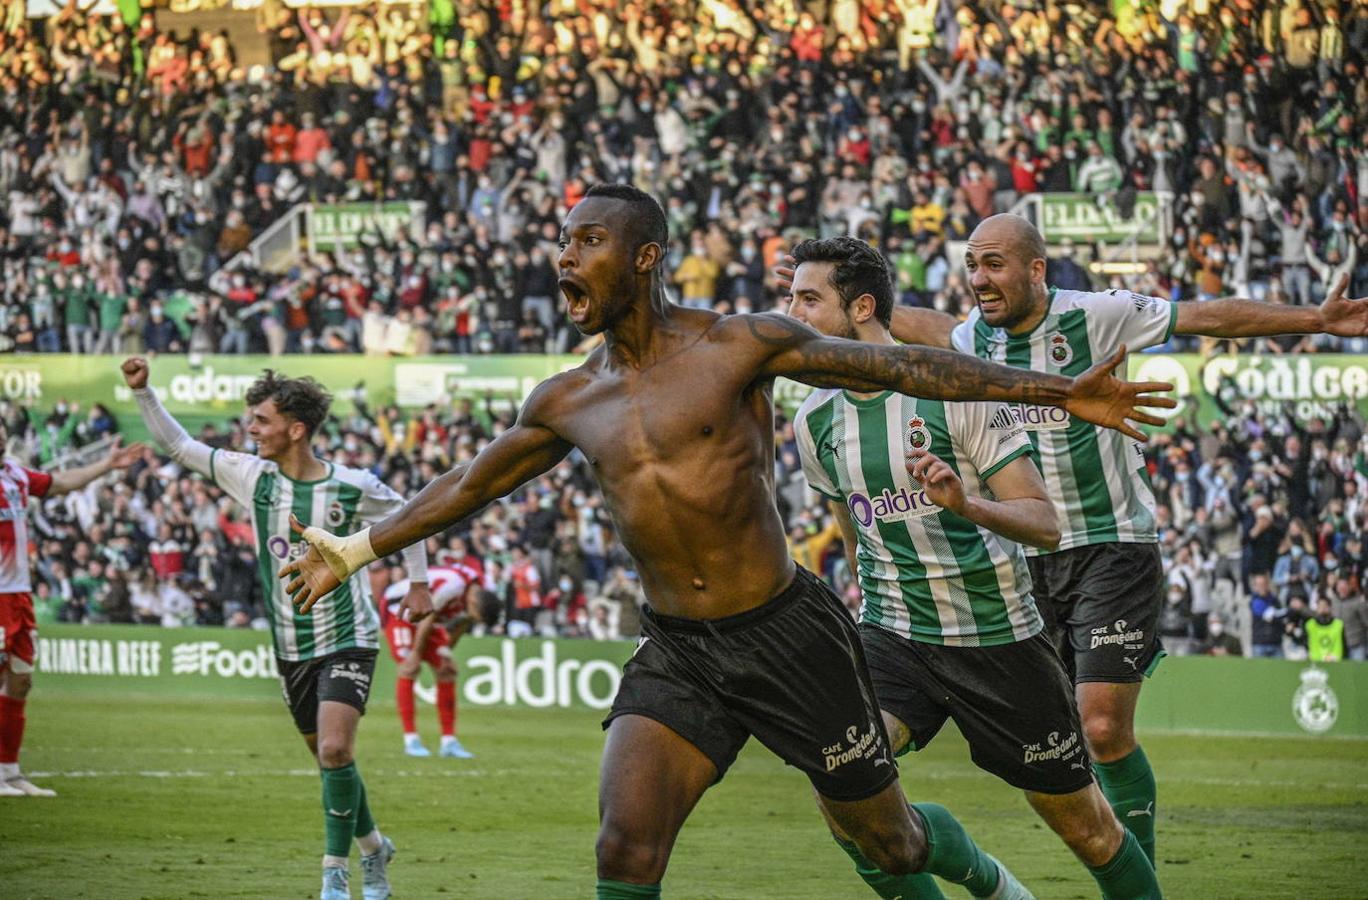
[302, 399]
[647, 219]
[488, 607]
[859, 269]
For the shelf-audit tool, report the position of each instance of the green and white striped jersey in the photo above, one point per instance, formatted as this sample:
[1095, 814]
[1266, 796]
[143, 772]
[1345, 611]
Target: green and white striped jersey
[343, 501]
[925, 574]
[1096, 476]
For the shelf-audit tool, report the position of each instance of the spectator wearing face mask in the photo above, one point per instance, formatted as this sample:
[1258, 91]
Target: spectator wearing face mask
[1295, 572]
[1219, 642]
[1175, 621]
[160, 334]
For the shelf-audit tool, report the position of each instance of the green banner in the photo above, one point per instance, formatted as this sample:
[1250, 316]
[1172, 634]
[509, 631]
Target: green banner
[1088, 218]
[239, 662]
[1315, 384]
[211, 389]
[1201, 694]
[342, 224]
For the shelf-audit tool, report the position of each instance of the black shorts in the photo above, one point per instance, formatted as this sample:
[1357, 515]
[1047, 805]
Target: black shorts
[791, 672]
[1101, 603]
[1012, 702]
[343, 677]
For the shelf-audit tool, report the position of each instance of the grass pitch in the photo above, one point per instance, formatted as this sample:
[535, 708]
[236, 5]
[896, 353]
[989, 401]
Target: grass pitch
[178, 799]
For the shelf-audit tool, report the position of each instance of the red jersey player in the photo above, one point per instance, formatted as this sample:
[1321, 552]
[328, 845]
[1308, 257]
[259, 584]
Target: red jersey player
[18, 629]
[430, 641]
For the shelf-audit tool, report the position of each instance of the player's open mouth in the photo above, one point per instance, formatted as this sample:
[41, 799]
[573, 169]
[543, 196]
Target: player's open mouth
[990, 300]
[576, 298]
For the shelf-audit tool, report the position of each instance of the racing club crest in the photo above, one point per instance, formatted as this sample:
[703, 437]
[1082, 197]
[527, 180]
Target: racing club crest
[336, 513]
[918, 436]
[1314, 705]
[1060, 351]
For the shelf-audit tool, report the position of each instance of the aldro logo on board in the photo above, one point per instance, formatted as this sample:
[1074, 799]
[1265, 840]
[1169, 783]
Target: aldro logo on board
[1314, 705]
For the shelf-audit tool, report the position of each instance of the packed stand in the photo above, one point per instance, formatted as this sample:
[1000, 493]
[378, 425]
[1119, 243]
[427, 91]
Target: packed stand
[137, 163]
[1262, 519]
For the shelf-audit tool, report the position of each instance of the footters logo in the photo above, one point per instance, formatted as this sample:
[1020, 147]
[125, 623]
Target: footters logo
[212, 658]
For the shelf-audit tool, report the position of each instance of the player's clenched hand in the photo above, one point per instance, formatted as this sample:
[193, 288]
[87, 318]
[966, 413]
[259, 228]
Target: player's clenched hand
[1098, 396]
[417, 604]
[940, 483]
[135, 372]
[319, 572]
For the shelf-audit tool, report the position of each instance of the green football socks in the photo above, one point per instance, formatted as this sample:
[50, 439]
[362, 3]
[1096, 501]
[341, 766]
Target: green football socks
[621, 890]
[365, 823]
[952, 854]
[1128, 785]
[919, 886]
[342, 797]
[1129, 875]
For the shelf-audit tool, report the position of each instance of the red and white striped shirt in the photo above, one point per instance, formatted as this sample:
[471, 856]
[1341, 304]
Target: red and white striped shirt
[17, 484]
[447, 584]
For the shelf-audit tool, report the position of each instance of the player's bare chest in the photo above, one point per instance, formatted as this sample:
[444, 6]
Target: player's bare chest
[657, 415]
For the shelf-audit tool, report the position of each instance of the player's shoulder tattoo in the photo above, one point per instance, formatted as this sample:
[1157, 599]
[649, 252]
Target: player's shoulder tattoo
[775, 330]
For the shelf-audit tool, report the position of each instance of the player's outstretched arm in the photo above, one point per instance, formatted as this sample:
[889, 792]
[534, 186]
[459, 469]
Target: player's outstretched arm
[1020, 509]
[523, 452]
[117, 458]
[794, 350]
[1234, 317]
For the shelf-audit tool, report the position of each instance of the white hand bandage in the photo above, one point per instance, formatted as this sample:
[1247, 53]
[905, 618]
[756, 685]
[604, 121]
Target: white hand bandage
[344, 555]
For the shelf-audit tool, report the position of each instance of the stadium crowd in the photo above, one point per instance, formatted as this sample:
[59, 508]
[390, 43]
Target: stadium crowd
[136, 162]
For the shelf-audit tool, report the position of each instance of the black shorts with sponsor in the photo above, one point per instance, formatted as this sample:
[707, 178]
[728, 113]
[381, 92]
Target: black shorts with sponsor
[1012, 702]
[343, 677]
[1101, 603]
[791, 672]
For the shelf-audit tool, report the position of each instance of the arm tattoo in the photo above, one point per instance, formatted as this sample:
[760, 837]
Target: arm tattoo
[918, 371]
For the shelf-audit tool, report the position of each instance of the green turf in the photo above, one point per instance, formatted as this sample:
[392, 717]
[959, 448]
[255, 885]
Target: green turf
[177, 799]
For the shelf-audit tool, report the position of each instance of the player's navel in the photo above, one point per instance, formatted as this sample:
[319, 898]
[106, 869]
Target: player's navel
[707, 430]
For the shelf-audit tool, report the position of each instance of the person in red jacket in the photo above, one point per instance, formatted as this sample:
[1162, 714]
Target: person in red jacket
[280, 139]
